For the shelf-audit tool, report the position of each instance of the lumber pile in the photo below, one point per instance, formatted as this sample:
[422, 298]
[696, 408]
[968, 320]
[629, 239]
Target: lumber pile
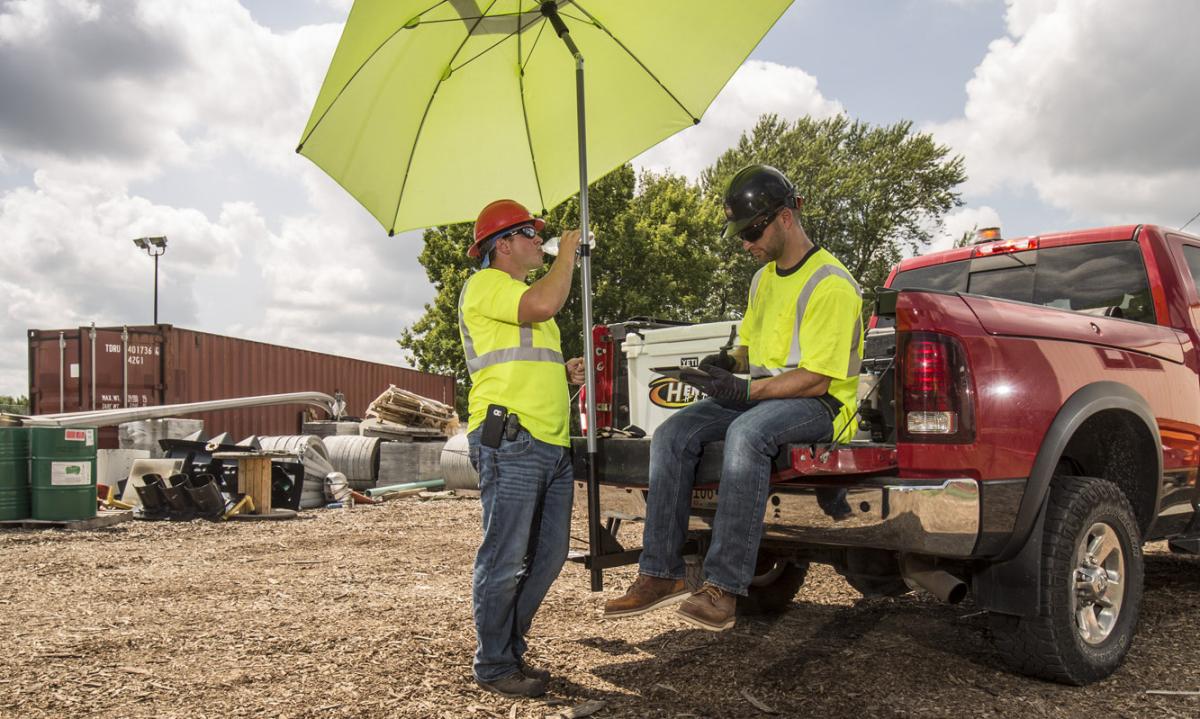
[403, 413]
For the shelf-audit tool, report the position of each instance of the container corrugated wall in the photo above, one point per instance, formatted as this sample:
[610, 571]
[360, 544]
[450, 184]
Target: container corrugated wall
[169, 365]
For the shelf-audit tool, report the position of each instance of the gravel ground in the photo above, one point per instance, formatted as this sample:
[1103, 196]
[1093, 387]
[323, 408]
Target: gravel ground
[367, 613]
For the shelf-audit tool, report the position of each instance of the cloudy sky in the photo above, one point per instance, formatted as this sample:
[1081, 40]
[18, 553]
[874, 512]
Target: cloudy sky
[124, 118]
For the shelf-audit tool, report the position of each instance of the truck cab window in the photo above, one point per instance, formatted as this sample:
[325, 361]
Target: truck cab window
[1191, 254]
[1103, 278]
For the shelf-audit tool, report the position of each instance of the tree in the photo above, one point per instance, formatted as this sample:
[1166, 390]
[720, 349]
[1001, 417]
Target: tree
[871, 193]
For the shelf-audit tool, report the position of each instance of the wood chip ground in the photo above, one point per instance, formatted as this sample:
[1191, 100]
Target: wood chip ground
[367, 613]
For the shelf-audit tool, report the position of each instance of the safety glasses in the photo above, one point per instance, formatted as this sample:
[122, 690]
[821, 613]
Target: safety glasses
[754, 231]
[527, 230]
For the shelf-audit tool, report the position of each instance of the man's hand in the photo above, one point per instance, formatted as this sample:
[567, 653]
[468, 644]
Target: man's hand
[568, 244]
[722, 384]
[576, 372]
[720, 359]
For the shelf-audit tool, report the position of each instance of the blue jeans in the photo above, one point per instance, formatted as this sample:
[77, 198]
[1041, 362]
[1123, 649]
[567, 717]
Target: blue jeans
[526, 489]
[752, 438]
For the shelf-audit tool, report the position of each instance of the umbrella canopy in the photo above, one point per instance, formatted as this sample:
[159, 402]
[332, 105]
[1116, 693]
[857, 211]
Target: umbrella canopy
[430, 109]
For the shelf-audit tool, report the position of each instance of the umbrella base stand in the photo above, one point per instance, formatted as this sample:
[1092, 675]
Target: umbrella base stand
[611, 554]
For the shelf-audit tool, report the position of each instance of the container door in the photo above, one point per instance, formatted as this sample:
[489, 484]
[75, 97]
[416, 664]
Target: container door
[129, 367]
[55, 372]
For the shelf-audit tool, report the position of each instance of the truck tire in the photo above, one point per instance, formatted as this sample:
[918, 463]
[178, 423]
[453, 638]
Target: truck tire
[772, 589]
[1091, 587]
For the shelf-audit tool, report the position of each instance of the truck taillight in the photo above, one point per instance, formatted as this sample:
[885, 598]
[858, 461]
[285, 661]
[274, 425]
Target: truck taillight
[935, 395]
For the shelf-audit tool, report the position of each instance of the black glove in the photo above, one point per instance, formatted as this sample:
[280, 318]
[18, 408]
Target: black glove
[720, 359]
[721, 384]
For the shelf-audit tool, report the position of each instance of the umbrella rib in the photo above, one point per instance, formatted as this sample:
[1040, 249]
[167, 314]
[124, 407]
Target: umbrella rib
[537, 179]
[541, 29]
[424, 116]
[355, 74]
[507, 37]
[597, 23]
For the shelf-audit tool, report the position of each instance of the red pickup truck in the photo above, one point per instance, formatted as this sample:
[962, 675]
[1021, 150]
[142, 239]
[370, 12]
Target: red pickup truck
[1029, 417]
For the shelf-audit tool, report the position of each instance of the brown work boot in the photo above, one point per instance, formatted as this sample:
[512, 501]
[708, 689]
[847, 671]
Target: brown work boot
[645, 594]
[710, 608]
[515, 685]
[533, 672]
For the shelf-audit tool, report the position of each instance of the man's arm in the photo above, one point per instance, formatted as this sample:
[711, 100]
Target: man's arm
[546, 297]
[793, 383]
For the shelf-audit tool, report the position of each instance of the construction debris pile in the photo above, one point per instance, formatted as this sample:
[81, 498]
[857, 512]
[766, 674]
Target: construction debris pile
[167, 468]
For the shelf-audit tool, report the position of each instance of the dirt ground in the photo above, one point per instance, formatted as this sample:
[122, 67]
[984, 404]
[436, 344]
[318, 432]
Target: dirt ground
[367, 613]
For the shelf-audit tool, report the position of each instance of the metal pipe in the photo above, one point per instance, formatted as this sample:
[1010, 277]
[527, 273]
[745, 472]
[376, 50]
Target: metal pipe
[62, 373]
[388, 489]
[110, 417]
[125, 366]
[92, 337]
[550, 11]
[938, 582]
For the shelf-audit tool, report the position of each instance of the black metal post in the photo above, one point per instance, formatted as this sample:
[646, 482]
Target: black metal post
[156, 290]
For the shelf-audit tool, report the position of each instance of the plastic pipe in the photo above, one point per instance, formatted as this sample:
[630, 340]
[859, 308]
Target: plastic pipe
[427, 484]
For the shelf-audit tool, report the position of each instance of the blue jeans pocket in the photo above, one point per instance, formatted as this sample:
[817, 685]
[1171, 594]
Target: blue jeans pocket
[515, 447]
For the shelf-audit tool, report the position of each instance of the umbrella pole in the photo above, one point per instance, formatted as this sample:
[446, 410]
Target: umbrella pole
[550, 10]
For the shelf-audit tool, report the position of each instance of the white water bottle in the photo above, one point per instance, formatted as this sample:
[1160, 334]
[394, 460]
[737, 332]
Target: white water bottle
[550, 246]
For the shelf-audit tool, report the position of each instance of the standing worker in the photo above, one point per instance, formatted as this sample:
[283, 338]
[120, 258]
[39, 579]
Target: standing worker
[517, 435]
[801, 342]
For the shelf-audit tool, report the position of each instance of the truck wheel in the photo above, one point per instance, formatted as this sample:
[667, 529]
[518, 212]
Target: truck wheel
[775, 583]
[1091, 587]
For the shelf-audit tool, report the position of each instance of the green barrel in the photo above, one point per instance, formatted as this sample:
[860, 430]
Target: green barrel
[63, 473]
[14, 473]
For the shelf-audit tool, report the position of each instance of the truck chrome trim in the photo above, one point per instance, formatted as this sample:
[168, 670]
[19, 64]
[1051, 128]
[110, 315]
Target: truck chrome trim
[939, 518]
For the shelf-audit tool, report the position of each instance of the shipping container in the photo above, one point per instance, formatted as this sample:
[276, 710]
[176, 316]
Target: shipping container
[87, 368]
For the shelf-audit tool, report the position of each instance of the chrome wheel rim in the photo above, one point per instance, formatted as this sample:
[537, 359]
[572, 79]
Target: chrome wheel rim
[1098, 583]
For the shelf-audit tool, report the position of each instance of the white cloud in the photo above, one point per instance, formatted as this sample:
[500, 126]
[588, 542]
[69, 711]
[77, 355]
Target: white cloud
[102, 96]
[755, 89]
[962, 220]
[1091, 104]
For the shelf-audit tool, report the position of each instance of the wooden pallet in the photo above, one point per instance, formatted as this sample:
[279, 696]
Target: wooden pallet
[102, 519]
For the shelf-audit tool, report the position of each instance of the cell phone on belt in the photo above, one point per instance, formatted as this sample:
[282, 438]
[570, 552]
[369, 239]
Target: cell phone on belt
[492, 429]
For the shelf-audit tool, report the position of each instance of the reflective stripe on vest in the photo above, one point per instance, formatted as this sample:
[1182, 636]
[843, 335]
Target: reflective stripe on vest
[794, 354]
[525, 352]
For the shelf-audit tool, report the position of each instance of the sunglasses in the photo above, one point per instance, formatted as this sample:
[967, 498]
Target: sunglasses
[526, 230]
[754, 231]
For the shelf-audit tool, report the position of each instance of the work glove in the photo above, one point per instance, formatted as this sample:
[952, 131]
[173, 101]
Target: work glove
[720, 359]
[722, 385]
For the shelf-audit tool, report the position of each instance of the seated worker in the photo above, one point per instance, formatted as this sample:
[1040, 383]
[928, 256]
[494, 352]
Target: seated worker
[801, 342]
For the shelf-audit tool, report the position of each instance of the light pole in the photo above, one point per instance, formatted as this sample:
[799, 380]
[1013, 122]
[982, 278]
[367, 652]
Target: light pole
[154, 246]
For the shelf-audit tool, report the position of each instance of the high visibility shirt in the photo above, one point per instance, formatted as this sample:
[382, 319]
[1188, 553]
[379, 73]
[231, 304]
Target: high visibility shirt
[809, 317]
[513, 364]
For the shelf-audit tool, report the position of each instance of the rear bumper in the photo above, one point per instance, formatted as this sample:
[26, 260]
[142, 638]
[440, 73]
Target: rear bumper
[935, 517]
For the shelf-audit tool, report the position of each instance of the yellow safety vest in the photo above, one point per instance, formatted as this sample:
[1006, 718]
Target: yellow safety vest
[513, 364]
[809, 318]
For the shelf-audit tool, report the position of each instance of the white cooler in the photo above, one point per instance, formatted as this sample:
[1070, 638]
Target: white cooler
[652, 397]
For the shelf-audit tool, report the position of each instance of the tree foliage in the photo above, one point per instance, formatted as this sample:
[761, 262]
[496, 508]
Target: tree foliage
[872, 194]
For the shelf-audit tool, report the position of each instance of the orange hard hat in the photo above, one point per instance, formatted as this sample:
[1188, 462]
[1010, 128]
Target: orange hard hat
[497, 217]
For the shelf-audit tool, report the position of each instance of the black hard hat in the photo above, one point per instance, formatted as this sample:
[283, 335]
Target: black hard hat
[753, 192]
